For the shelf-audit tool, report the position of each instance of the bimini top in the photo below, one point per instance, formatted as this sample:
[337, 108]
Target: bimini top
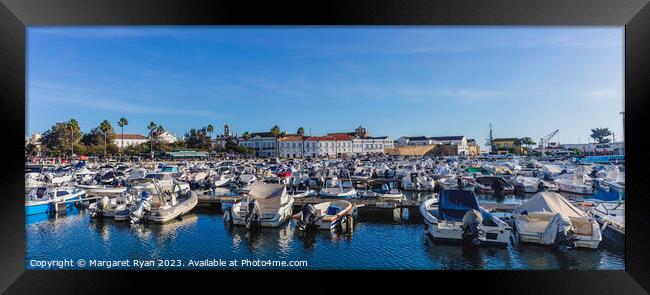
[262, 191]
[452, 204]
[550, 202]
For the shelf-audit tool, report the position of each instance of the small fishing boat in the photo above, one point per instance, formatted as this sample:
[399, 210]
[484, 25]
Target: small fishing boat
[44, 199]
[331, 215]
[456, 216]
[107, 206]
[548, 218]
[219, 180]
[387, 191]
[490, 185]
[576, 184]
[333, 188]
[611, 217]
[161, 207]
[265, 205]
[528, 184]
[101, 190]
[418, 181]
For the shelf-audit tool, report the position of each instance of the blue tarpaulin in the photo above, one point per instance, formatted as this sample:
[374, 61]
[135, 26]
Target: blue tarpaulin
[454, 203]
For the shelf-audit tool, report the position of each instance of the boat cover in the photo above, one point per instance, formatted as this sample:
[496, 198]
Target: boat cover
[271, 195]
[454, 203]
[550, 202]
[559, 223]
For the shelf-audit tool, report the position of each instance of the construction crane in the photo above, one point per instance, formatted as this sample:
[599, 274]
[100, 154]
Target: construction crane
[544, 140]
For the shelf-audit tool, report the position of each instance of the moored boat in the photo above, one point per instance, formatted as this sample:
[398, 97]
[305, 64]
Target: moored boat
[331, 215]
[456, 216]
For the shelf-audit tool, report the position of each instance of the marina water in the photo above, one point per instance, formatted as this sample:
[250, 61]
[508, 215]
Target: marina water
[375, 243]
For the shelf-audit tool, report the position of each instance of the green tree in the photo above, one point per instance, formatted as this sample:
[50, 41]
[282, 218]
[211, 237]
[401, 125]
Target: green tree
[246, 135]
[122, 122]
[301, 131]
[600, 135]
[31, 150]
[60, 138]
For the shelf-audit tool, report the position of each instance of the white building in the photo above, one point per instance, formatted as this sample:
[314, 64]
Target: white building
[292, 146]
[264, 143]
[167, 137]
[129, 139]
[413, 140]
[328, 146]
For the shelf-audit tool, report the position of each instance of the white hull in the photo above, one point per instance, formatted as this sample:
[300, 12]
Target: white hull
[268, 220]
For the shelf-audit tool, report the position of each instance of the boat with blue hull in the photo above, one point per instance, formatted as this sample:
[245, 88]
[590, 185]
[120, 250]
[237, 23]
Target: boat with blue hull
[44, 199]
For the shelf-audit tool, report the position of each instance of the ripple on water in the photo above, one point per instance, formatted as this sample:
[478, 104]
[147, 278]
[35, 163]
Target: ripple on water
[372, 245]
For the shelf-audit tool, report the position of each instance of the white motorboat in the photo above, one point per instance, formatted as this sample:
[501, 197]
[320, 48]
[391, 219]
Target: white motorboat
[101, 190]
[528, 184]
[456, 216]
[574, 183]
[158, 206]
[488, 184]
[418, 181]
[611, 217]
[219, 180]
[549, 219]
[108, 206]
[265, 205]
[164, 180]
[246, 179]
[45, 199]
[331, 215]
[333, 188]
[388, 191]
[449, 182]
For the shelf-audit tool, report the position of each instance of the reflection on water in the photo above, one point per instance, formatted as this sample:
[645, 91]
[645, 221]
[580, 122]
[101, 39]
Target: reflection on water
[375, 243]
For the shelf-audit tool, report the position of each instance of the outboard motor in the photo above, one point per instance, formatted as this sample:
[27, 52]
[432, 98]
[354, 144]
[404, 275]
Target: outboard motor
[471, 231]
[252, 215]
[565, 238]
[497, 186]
[308, 217]
[540, 186]
[99, 210]
[141, 207]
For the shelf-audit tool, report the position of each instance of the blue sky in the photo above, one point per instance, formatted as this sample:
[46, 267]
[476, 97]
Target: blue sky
[434, 81]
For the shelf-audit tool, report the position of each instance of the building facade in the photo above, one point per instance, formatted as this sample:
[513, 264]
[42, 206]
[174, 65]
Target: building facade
[462, 148]
[167, 137]
[473, 149]
[507, 145]
[413, 140]
[292, 146]
[129, 139]
[264, 143]
[597, 149]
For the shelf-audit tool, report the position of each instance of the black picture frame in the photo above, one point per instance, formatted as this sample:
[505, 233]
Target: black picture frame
[15, 15]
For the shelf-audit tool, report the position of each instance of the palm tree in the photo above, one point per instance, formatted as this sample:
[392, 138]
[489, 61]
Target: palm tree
[210, 129]
[275, 131]
[246, 135]
[74, 126]
[106, 128]
[122, 122]
[152, 130]
[301, 131]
